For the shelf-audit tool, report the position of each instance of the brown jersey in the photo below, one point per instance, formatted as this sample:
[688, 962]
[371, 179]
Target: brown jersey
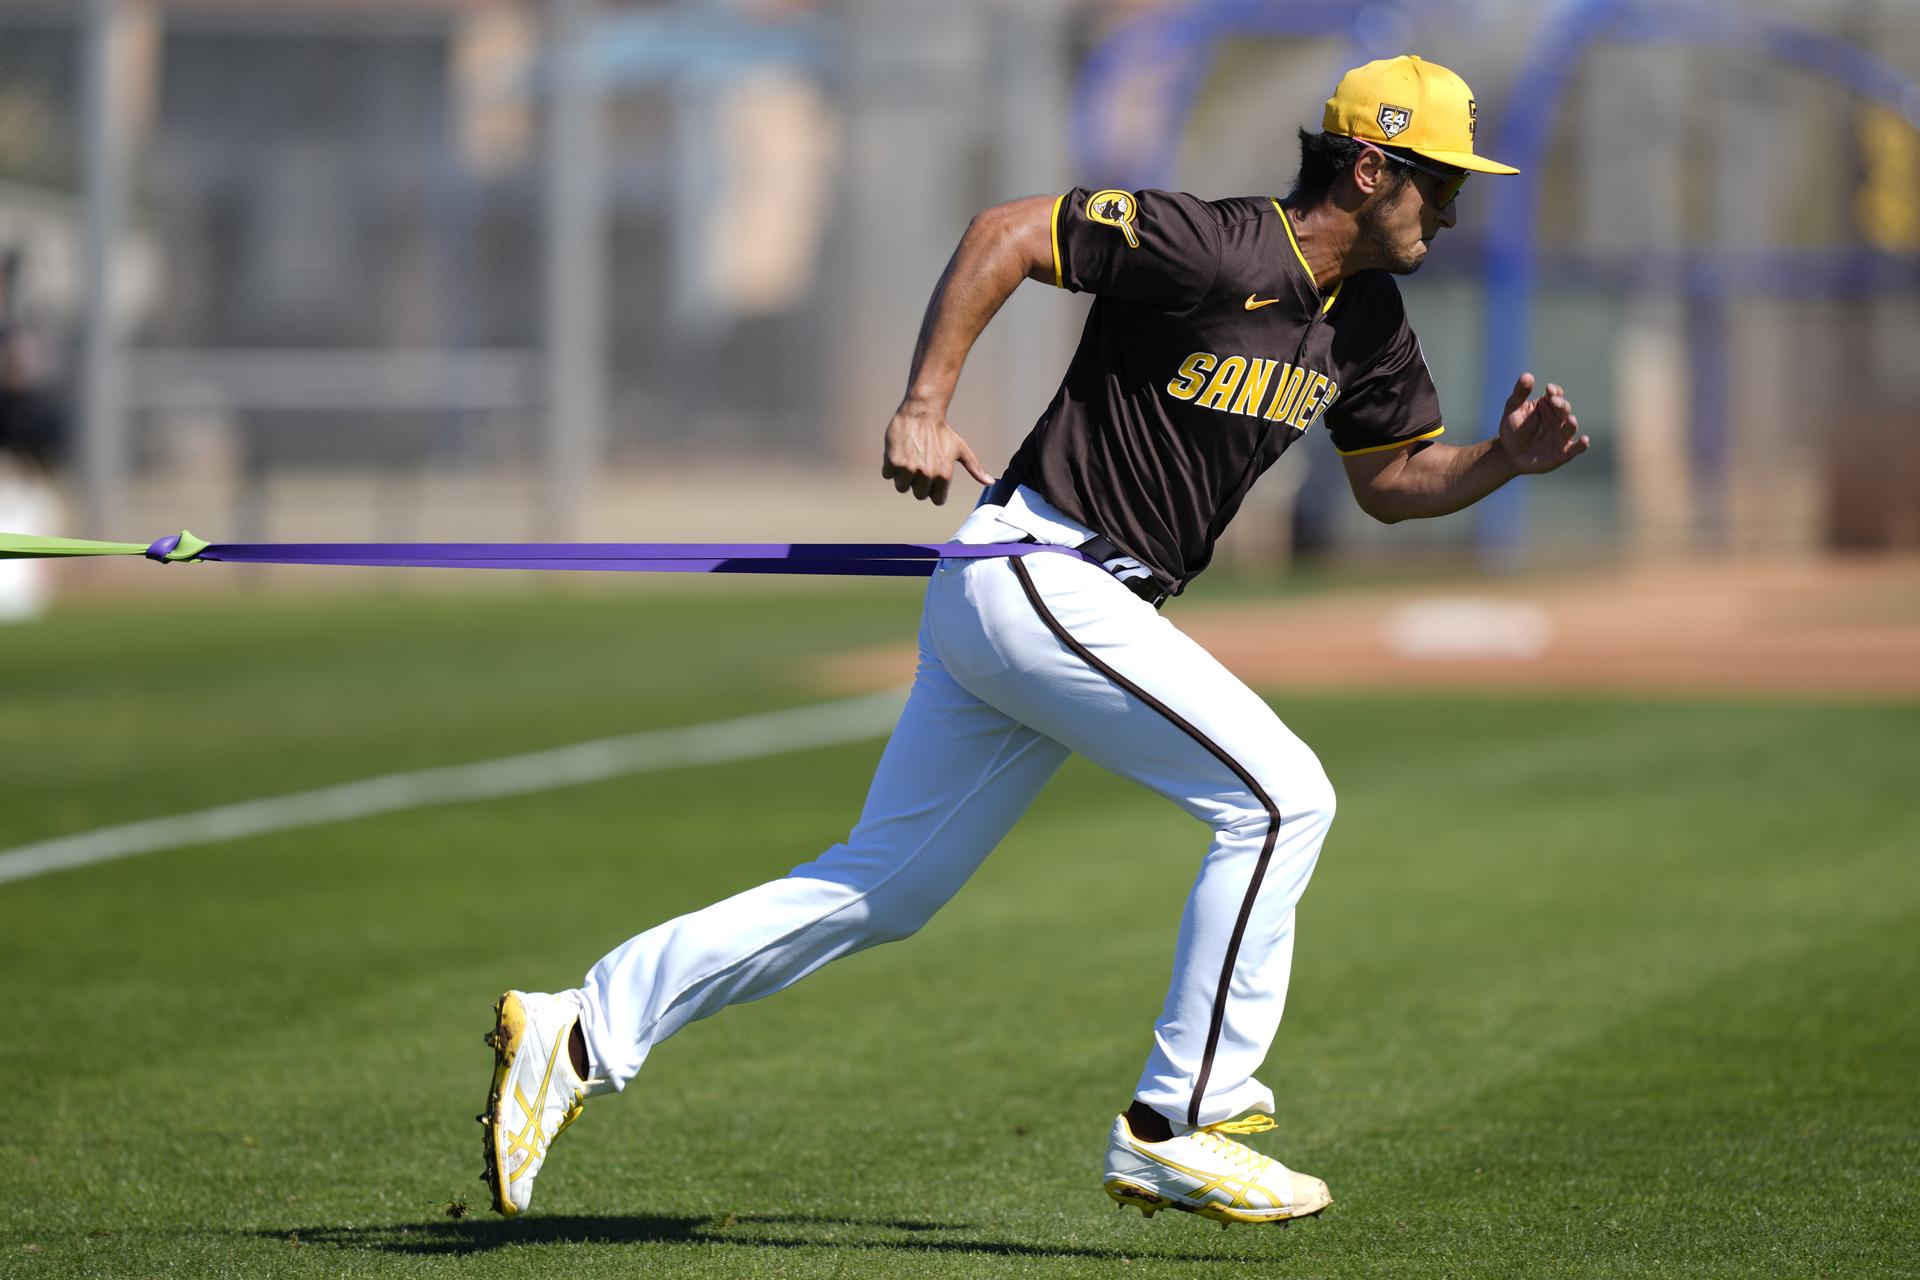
[1207, 352]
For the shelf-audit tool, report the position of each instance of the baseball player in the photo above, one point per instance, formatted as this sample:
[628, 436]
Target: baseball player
[1221, 332]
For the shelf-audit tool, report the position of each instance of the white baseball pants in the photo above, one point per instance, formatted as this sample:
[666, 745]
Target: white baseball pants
[1023, 660]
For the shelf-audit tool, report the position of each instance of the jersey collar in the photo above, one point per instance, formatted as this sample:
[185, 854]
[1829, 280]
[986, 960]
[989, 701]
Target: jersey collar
[1324, 302]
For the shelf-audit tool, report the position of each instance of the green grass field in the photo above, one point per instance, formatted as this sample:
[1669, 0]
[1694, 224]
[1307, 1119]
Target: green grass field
[1585, 987]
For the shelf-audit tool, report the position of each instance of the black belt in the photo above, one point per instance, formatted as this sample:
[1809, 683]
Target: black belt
[997, 493]
[1100, 549]
[1133, 575]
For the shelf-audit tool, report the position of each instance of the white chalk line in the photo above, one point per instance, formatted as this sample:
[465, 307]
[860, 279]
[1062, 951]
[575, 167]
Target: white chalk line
[822, 724]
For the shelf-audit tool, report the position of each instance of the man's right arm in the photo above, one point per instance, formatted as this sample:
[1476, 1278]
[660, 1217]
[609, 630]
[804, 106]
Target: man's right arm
[1003, 245]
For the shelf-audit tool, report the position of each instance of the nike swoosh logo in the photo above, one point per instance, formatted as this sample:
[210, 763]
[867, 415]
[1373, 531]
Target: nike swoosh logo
[1254, 304]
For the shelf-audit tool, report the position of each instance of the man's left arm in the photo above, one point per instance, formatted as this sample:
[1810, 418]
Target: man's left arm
[1431, 479]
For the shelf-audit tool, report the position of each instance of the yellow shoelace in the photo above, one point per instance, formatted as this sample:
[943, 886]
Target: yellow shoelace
[571, 1114]
[1215, 1137]
[1245, 1124]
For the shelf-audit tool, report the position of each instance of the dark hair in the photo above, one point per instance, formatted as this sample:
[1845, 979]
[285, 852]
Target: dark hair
[1324, 157]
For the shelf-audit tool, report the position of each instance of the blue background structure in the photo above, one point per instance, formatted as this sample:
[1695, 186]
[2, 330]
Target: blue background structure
[1175, 48]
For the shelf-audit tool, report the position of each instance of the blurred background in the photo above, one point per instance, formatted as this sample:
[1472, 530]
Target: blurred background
[505, 269]
[1612, 955]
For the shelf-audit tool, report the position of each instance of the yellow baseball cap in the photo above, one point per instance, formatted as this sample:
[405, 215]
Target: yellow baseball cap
[1418, 106]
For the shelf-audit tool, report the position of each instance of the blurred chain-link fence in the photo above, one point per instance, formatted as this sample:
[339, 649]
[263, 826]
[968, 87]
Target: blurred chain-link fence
[373, 249]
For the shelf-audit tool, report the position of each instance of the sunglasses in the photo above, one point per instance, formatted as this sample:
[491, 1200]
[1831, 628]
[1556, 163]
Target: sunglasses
[1450, 180]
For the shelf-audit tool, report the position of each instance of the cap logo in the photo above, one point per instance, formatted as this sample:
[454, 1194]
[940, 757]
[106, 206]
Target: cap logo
[1114, 209]
[1394, 120]
[1473, 116]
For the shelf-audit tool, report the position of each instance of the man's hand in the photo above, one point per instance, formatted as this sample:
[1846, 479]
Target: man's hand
[1003, 245]
[1428, 478]
[1540, 435]
[921, 450]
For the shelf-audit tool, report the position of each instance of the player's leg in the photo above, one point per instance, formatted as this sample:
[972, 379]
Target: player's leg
[1065, 648]
[954, 777]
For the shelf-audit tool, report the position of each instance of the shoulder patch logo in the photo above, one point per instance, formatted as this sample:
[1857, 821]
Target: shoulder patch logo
[1394, 120]
[1115, 209]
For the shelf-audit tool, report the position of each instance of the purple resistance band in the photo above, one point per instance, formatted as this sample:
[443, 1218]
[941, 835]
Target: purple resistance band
[880, 559]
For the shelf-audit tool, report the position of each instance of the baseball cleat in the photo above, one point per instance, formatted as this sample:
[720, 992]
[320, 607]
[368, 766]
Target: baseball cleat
[535, 1095]
[1206, 1172]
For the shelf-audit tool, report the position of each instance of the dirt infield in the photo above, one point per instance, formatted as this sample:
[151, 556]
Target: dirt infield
[1803, 627]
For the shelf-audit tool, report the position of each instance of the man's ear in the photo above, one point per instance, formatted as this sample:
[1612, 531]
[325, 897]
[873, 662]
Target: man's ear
[1370, 175]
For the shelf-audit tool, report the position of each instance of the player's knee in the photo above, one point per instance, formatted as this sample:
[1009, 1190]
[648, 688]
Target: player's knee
[1313, 799]
[1299, 796]
[896, 913]
[1306, 795]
